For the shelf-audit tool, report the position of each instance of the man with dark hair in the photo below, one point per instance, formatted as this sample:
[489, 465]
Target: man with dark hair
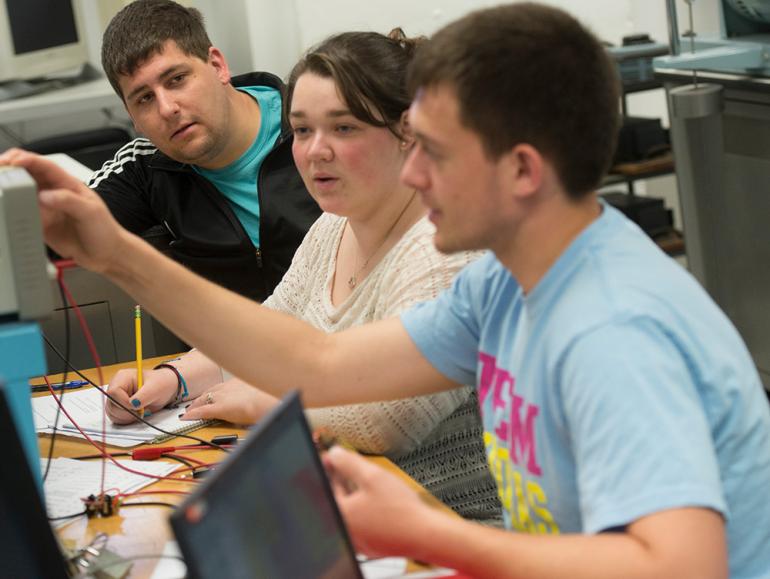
[625, 422]
[214, 173]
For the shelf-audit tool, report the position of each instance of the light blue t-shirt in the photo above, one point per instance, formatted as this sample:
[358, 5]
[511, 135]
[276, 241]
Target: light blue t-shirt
[616, 388]
[238, 181]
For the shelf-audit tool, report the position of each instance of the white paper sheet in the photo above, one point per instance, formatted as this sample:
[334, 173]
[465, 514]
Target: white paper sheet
[169, 568]
[85, 408]
[69, 480]
[387, 568]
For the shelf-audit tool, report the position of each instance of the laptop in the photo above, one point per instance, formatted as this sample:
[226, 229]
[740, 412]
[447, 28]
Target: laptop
[268, 510]
[29, 547]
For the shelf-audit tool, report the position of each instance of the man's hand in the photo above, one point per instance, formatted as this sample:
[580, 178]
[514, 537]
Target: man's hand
[233, 401]
[158, 390]
[76, 222]
[383, 514]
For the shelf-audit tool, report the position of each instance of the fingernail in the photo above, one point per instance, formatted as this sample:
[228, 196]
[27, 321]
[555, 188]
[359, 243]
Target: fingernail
[335, 449]
[180, 415]
[135, 403]
[46, 196]
[147, 413]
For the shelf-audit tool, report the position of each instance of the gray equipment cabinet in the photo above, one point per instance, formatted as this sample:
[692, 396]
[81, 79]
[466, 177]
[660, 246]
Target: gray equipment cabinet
[720, 131]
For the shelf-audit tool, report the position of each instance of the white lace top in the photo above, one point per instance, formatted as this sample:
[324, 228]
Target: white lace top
[435, 438]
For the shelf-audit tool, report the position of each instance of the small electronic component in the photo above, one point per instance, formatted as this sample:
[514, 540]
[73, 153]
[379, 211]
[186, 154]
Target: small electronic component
[225, 439]
[101, 506]
[201, 471]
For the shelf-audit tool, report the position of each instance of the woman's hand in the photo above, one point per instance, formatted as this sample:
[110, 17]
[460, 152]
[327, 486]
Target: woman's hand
[233, 401]
[158, 390]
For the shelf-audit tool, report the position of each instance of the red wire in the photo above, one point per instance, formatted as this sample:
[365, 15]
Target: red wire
[167, 450]
[91, 346]
[65, 264]
[61, 265]
[199, 446]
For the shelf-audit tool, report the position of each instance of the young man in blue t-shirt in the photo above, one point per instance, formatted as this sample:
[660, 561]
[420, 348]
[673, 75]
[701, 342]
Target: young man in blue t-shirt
[625, 421]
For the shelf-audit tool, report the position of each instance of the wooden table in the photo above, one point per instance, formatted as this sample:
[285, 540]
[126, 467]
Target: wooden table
[144, 531]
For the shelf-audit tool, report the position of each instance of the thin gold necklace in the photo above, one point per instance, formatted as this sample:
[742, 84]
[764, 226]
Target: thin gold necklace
[353, 279]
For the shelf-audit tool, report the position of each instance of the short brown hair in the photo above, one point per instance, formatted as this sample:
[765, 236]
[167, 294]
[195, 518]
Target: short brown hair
[369, 71]
[141, 29]
[528, 73]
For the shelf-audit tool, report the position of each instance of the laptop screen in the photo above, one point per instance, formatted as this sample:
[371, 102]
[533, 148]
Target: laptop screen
[29, 546]
[268, 510]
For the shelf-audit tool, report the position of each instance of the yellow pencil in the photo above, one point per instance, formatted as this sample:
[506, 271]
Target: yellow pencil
[138, 332]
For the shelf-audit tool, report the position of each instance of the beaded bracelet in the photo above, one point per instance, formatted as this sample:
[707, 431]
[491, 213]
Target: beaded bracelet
[181, 385]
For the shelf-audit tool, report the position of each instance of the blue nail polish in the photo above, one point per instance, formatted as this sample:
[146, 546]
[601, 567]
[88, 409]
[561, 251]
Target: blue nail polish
[135, 403]
[147, 413]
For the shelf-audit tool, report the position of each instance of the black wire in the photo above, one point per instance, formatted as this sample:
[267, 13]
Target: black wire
[80, 514]
[64, 379]
[93, 456]
[148, 504]
[138, 504]
[131, 410]
[179, 459]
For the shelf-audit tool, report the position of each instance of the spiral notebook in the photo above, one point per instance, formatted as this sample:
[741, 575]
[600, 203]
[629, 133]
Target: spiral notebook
[85, 408]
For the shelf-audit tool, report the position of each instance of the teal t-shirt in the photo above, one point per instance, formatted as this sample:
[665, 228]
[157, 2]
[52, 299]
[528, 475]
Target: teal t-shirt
[238, 180]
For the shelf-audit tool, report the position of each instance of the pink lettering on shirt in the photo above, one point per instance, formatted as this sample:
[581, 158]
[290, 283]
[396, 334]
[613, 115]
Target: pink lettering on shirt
[518, 430]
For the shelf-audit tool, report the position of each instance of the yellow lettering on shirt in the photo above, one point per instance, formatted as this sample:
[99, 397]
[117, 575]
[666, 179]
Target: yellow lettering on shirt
[525, 500]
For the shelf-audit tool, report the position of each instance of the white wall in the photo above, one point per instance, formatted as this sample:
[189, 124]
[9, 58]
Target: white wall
[318, 19]
[275, 42]
[297, 24]
[228, 29]
[306, 22]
